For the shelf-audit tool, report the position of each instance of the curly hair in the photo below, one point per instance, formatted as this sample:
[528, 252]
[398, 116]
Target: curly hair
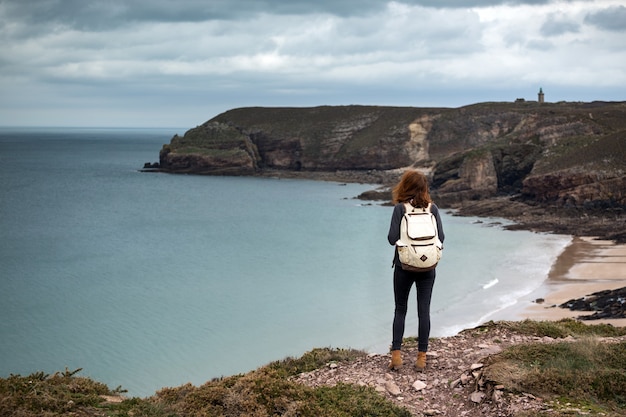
[412, 188]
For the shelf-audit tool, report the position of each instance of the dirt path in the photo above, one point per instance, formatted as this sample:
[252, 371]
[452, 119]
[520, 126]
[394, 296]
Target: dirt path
[452, 384]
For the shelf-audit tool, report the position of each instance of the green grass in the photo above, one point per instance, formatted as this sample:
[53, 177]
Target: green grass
[561, 329]
[576, 376]
[267, 391]
[583, 372]
[606, 153]
[41, 394]
[314, 359]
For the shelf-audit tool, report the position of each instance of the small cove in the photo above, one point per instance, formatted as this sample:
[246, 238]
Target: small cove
[148, 280]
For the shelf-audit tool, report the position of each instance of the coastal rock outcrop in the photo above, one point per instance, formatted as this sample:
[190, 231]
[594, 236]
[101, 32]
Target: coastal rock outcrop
[550, 154]
[577, 187]
[212, 148]
[607, 304]
[561, 154]
[247, 140]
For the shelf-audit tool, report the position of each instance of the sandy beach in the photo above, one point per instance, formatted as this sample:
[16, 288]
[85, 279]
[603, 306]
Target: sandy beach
[586, 266]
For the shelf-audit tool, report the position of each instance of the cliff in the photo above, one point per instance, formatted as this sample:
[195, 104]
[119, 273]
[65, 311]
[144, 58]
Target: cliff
[553, 155]
[496, 369]
[248, 140]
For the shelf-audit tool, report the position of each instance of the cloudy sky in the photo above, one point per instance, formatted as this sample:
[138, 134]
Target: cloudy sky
[178, 63]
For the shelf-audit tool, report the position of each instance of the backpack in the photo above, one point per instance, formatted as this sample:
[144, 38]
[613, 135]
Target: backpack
[419, 247]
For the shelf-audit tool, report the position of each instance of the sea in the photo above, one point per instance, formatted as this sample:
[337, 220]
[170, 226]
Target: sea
[147, 280]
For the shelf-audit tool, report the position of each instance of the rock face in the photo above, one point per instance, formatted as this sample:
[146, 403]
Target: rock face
[608, 304]
[212, 148]
[242, 141]
[559, 154]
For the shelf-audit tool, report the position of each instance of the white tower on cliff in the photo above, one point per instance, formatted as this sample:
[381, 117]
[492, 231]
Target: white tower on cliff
[540, 95]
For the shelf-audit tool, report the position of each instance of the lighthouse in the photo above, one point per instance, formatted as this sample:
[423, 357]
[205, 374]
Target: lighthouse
[540, 95]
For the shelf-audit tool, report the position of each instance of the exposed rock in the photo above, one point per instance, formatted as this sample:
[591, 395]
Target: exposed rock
[578, 188]
[461, 359]
[465, 378]
[477, 151]
[312, 139]
[476, 366]
[477, 396]
[392, 388]
[113, 399]
[475, 177]
[543, 166]
[608, 304]
[151, 166]
[419, 385]
[212, 148]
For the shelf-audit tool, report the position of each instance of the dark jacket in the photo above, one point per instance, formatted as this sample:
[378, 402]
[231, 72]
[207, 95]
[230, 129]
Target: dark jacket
[394, 227]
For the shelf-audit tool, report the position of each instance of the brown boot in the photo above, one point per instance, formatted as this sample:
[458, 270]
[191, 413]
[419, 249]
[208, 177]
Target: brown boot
[396, 360]
[420, 364]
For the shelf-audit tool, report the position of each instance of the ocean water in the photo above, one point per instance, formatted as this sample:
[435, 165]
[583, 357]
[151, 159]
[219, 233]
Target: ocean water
[149, 280]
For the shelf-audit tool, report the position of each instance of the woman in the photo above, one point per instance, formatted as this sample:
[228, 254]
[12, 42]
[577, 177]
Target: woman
[413, 189]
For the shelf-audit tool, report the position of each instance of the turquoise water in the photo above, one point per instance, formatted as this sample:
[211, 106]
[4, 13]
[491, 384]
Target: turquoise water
[149, 280]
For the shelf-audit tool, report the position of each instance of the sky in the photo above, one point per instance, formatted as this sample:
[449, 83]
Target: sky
[179, 63]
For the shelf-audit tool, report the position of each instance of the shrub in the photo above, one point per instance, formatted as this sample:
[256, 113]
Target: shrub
[584, 369]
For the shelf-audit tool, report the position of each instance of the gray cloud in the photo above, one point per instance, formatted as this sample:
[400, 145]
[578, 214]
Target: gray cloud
[611, 18]
[557, 25]
[112, 61]
[98, 15]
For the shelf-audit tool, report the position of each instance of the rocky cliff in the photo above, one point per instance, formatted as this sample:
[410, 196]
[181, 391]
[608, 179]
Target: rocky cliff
[570, 155]
[247, 140]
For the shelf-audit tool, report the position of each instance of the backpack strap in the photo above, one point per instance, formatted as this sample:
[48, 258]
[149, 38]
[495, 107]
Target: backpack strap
[409, 207]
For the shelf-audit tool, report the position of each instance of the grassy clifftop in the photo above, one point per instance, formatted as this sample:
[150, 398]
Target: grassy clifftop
[519, 369]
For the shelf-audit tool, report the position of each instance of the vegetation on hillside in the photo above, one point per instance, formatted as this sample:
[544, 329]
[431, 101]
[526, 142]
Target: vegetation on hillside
[474, 152]
[577, 373]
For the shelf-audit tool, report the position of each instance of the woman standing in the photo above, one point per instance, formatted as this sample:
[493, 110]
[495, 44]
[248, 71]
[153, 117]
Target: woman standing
[413, 189]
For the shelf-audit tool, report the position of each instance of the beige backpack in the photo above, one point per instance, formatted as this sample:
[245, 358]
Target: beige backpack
[419, 247]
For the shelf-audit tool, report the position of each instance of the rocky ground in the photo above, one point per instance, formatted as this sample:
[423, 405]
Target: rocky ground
[452, 384]
[604, 223]
[607, 304]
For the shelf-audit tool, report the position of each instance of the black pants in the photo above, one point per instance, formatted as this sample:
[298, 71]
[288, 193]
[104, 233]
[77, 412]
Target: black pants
[402, 284]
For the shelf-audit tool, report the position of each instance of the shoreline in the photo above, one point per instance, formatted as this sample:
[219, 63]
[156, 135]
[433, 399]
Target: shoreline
[587, 265]
[584, 267]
